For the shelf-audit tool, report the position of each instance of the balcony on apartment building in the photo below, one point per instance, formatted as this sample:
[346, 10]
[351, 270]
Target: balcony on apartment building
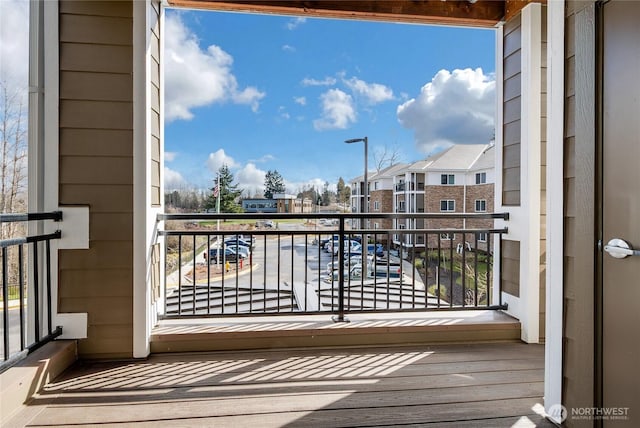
[409, 187]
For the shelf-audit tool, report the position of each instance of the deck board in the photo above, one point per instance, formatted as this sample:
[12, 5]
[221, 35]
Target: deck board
[450, 385]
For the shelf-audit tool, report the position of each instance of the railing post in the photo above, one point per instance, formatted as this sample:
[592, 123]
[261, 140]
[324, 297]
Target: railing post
[341, 236]
[5, 302]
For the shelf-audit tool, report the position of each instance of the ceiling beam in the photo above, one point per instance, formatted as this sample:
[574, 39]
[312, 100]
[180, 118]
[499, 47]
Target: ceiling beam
[480, 13]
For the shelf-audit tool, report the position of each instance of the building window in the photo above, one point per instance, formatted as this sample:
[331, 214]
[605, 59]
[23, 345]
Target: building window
[447, 205]
[447, 236]
[481, 205]
[482, 237]
[376, 225]
[376, 205]
[447, 179]
[401, 207]
[481, 178]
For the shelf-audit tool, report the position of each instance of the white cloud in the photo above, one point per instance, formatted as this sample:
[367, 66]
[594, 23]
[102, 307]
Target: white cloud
[288, 48]
[219, 158]
[170, 156]
[337, 111]
[173, 180]
[14, 42]
[454, 108]
[327, 81]
[373, 93]
[196, 77]
[300, 100]
[295, 23]
[250, 179]
[263, 159]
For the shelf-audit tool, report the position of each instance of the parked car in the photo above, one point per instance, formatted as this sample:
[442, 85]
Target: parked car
[373, 272]
[348, 261]
[350, 247]
[229, 255]
[233, 242]
[246, 238]
[375, 249]
[242, 250]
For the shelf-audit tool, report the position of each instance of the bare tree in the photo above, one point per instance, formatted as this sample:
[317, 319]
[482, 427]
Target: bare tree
[13, 153]
[386, 156]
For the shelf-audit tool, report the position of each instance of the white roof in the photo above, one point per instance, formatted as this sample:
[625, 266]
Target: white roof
[459, 157]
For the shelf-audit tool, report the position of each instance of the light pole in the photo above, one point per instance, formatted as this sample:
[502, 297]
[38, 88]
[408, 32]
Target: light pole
[365, 203]
[366, 156]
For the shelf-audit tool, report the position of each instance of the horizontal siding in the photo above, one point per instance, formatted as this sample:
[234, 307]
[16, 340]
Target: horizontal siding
[510, 267]
[154, 24]
[96, 58]
[96, 114]
[511, 111]
[105, 30]
[95, 142]
[96, 169]
[96, 86]
[101, 197]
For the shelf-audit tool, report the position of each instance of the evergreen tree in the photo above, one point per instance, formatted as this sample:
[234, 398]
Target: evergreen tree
[229, 192]
[273, 183]
[343, 192]
[326, 195]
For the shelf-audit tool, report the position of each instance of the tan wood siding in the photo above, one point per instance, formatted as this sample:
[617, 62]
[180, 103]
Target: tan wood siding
[510, 267]
[96, 169]
[579, 162]
[154, 24]
[511, 108]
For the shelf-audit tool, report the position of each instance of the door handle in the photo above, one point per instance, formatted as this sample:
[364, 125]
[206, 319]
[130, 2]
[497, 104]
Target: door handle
[620, 249]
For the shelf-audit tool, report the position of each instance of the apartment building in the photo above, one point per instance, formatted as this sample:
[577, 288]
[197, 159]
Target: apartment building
[381, 198]
[459, 179]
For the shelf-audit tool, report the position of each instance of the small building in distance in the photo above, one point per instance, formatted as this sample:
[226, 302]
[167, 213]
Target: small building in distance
[280, 203]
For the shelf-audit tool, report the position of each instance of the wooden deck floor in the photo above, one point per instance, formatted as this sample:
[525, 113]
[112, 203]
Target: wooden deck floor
[482, 385]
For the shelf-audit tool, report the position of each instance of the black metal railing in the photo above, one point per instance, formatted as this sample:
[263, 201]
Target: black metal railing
[26, 287]
[305, 263]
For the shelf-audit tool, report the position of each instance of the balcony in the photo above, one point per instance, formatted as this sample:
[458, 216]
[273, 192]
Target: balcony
[498, 385]
[280, 298]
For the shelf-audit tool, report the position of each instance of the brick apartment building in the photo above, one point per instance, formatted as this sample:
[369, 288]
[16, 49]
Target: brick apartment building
[381, 198]
[459, 179]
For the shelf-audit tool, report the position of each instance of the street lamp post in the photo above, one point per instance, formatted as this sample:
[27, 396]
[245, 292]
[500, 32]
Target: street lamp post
[365, 140]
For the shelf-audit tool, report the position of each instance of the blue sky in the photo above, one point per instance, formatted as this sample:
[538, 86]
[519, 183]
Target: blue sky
[282, 93]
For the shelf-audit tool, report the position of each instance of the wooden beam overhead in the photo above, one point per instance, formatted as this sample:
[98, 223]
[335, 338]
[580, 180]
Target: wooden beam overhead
[513, 7]
[480, 13]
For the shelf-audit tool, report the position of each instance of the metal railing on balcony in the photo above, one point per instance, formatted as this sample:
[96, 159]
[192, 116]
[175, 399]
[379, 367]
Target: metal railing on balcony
[26, 287]
[223, 265]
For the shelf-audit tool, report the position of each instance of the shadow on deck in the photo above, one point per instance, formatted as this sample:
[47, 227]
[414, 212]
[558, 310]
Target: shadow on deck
[496, 385]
